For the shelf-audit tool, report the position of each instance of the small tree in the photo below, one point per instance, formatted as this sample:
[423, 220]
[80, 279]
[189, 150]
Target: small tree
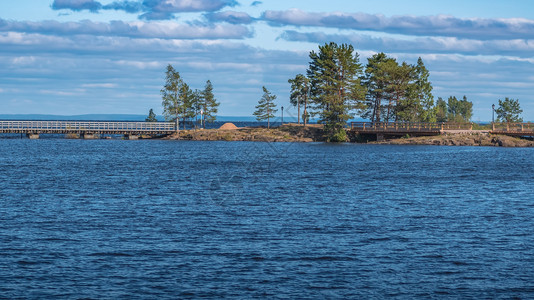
[265, 109]
[459, 111]
[151, 116]
[171, 101]
[300, 87]
[509, 111]
[187, 99]
[209, 106]
[441, 110]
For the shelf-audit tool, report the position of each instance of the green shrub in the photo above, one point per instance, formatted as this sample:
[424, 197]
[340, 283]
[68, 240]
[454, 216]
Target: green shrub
[340, 136]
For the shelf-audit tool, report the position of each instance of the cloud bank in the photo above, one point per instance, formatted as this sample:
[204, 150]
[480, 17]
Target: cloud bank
[441, 25]
[232, 17]
[438, 45]
[162, 30]
[149, 9]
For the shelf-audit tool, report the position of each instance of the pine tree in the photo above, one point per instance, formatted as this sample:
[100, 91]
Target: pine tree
[335, 86]
[265, 109]
[209, 104]
[151, 116]
[300, 87]
[186, 99]
[399, 78]
[376, 81]
[509, 111]
[459, 111]
[423, 93]
[441, 110]
[172, 103]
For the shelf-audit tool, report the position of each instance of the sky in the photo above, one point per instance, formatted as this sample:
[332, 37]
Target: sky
[72, 57]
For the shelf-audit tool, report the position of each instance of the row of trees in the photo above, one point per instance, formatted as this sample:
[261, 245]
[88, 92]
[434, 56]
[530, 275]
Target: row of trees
[337, 87]
[454, 110]
[181, 102]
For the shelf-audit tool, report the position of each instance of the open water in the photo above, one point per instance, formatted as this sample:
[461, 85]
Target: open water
[113, 219]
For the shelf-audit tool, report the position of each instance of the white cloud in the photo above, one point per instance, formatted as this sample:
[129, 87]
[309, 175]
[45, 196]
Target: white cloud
[141, 64]
[162, 29]
[62, 93]
[519, 48]
[99, 85]
[152, 9]
[440, 25]
[23, 60]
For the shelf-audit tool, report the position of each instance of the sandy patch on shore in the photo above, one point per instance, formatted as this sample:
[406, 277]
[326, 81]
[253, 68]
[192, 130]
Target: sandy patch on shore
[228, 126]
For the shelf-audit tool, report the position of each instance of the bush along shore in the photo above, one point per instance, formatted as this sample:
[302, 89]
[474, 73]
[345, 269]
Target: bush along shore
[315, 133]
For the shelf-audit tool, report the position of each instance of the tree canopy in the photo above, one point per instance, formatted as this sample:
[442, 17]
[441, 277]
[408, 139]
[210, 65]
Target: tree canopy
[151, 116]
[209, 104]
[300, 88]
[397, 92]
[509, 110]
[459, 111]
[336, 91]
[265, 109]
[180, 101]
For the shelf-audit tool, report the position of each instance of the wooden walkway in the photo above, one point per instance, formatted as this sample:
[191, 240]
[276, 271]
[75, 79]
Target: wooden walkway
[403, 128]
[382, 129]
[514, 129]
[87, 127]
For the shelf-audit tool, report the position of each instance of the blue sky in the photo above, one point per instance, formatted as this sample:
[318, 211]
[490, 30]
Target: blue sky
[72, 57]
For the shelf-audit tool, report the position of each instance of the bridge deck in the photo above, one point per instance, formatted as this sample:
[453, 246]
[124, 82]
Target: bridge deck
[514, 129]
[402, 128]
[415, 129]
[80, 127]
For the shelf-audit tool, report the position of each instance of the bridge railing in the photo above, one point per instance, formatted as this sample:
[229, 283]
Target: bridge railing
[408, 126]
[513, 127]
[88, 126]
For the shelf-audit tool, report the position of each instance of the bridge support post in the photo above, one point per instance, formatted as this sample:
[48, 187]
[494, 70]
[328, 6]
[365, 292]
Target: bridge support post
[131, 136]
[33, 136]
[379, 137]
[88, 136]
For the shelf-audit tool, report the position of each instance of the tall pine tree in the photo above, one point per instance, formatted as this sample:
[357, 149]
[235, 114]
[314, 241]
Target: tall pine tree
[376, 81]
[335, 86]
[509, 111]
[422, 91]
[265, 109]
[171, 101]
[300, 87]
[210, 106]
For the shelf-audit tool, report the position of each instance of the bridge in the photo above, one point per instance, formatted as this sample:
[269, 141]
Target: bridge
[396, 129]
[87, 129]
[513, 129]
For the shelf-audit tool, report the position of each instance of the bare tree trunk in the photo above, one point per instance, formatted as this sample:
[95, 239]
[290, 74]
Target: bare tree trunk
[298, 112]
[305, 110]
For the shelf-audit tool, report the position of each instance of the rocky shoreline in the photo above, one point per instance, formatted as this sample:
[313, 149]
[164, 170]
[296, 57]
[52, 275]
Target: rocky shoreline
[314, 133]
[462, 139]
[285, 133]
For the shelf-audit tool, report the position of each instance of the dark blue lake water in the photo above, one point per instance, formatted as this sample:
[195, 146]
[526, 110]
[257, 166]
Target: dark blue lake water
[176, 219]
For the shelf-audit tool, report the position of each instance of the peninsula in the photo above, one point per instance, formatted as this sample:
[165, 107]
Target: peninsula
[315, 133]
